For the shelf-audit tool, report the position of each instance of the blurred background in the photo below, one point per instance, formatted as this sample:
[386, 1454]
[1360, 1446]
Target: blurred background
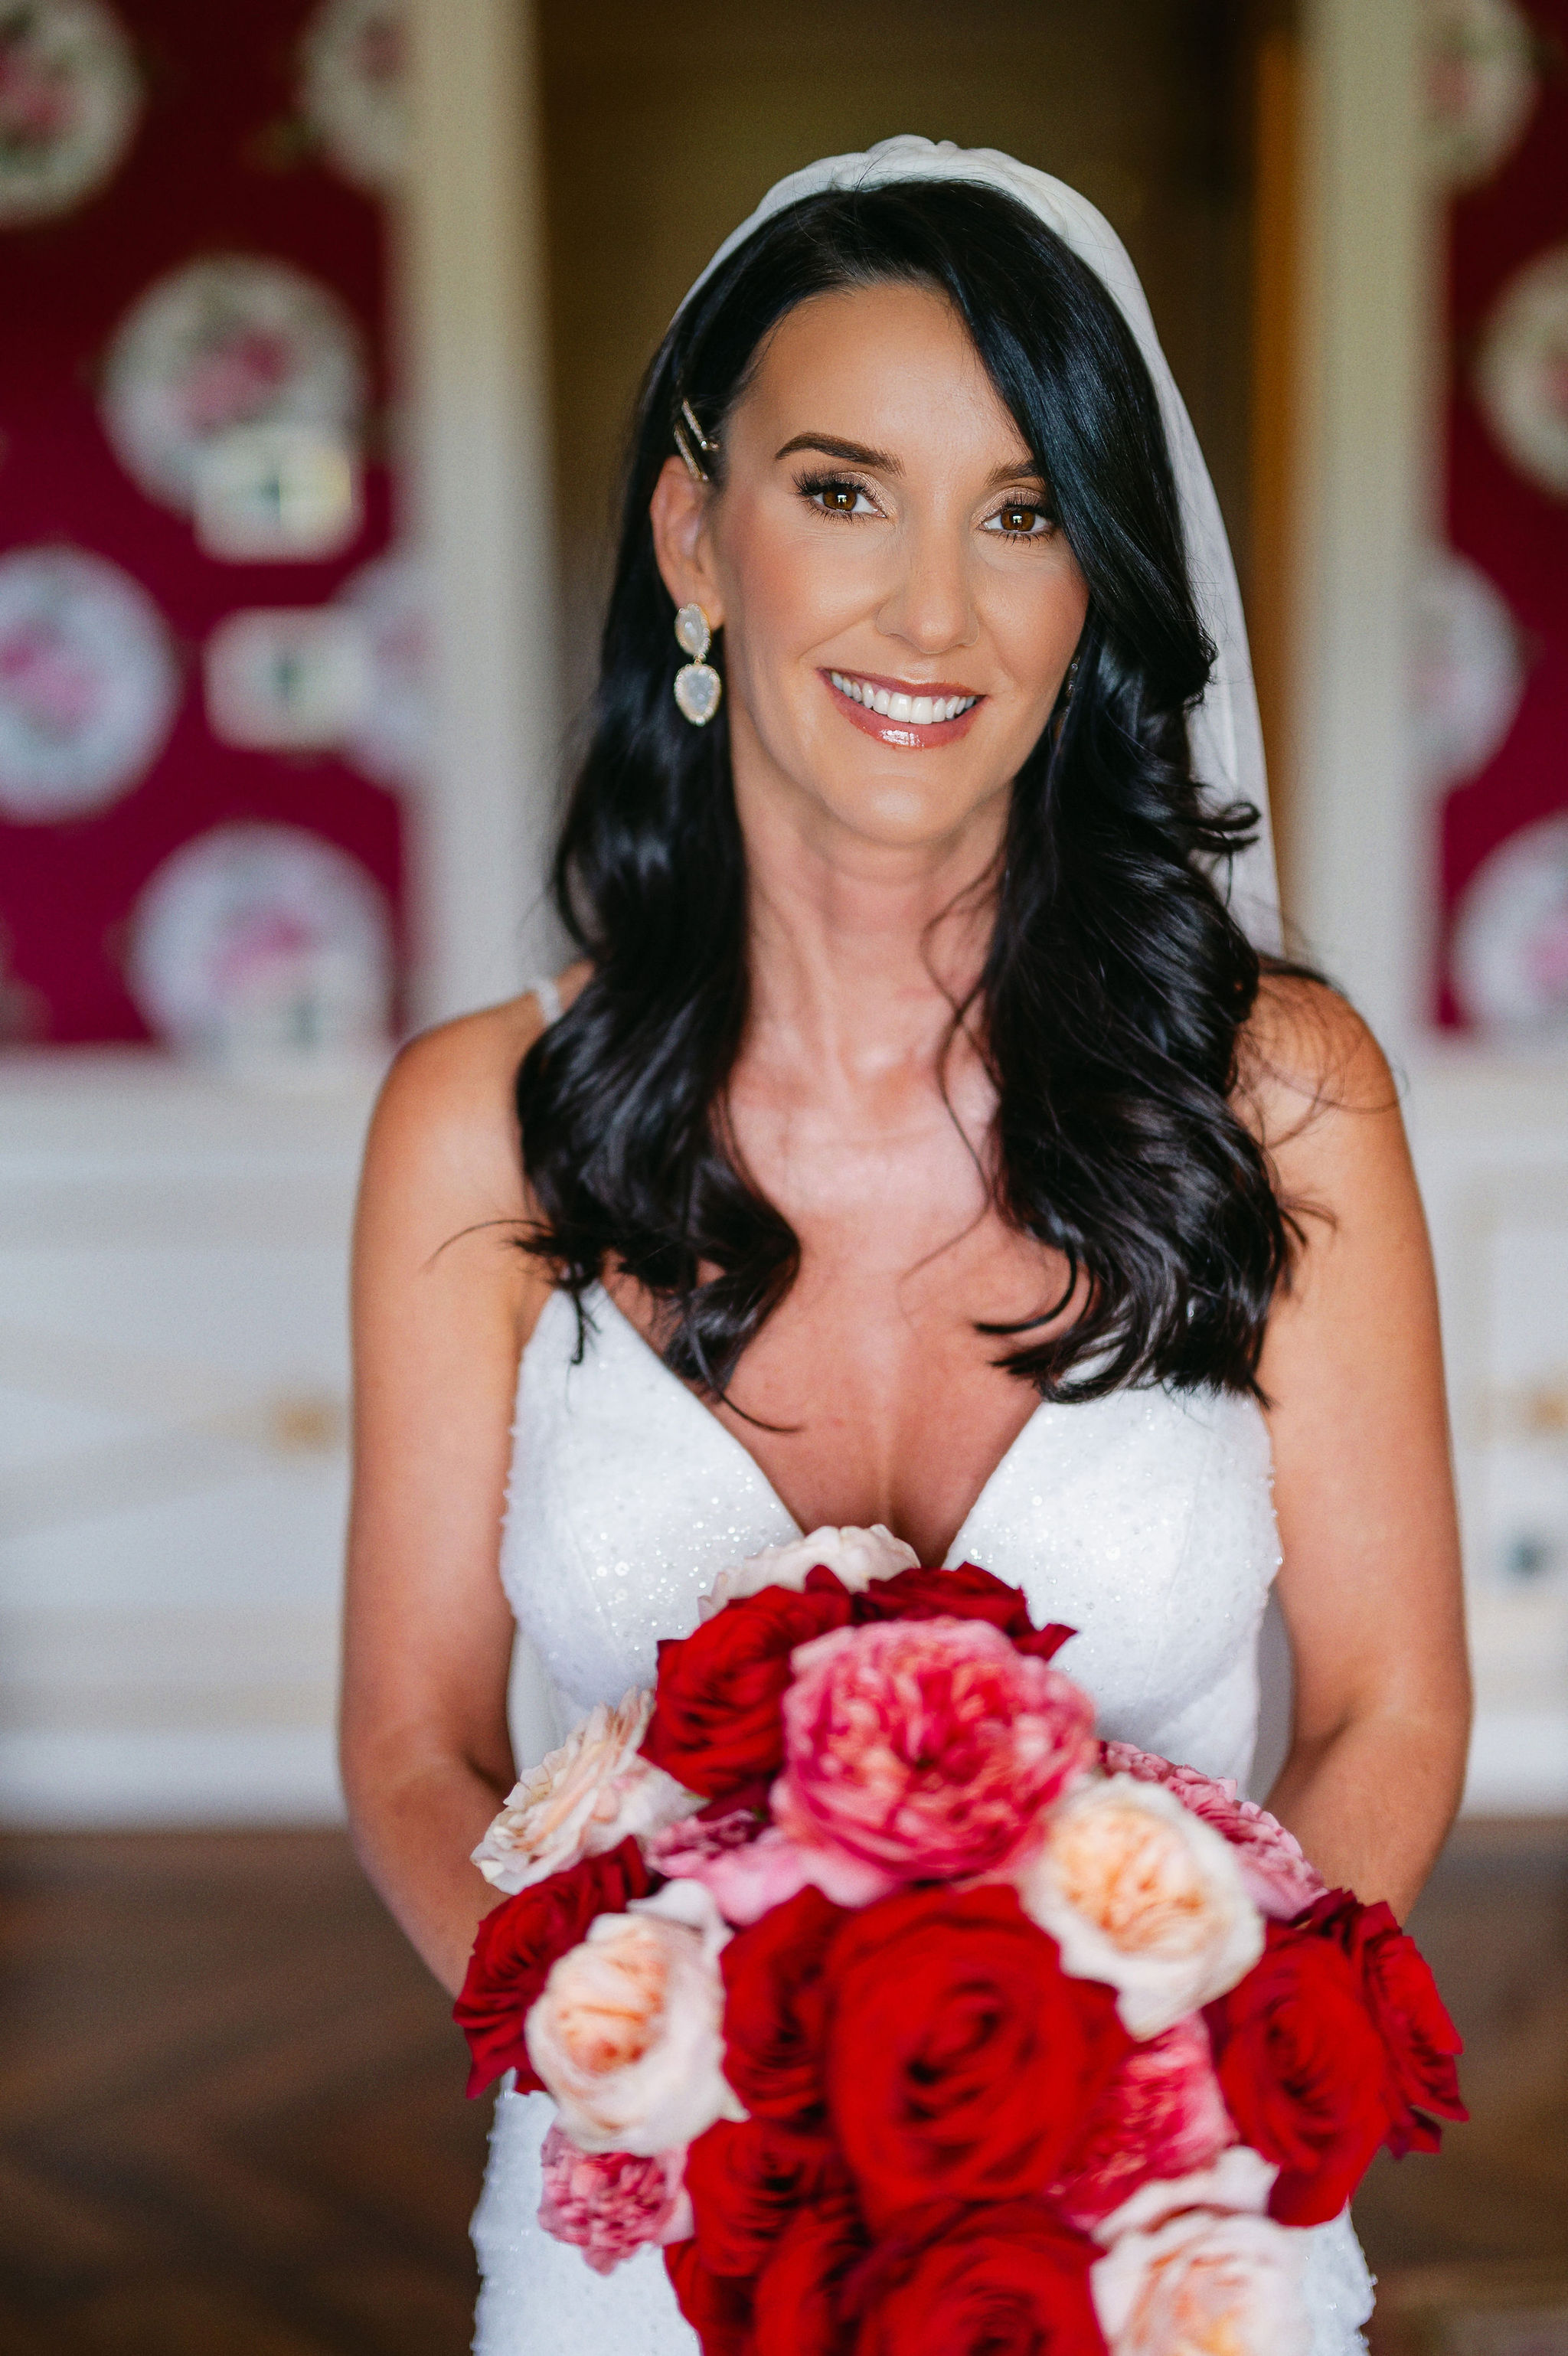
[319, 322]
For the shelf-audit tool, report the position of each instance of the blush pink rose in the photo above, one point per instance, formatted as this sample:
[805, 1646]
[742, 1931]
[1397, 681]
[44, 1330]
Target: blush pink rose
[583, 1800]
[1162, 2117]
[927, 1749]
[1275, 1874]
[609, 2204]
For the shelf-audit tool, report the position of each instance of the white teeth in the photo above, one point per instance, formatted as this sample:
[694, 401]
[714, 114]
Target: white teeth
[919, 710]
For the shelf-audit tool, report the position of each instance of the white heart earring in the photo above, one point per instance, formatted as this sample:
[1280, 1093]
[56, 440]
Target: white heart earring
[698, 686]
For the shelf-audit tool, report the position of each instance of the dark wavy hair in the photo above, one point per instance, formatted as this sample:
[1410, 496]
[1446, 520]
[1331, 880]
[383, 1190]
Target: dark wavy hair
[1110, 1008]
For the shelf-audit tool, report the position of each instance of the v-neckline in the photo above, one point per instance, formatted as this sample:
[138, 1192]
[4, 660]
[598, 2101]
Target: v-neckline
[599, 1295]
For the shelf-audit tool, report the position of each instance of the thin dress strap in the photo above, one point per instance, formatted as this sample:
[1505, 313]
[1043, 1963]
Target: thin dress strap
[548, 992]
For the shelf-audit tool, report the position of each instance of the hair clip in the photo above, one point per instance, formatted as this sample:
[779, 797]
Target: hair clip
[694, 465]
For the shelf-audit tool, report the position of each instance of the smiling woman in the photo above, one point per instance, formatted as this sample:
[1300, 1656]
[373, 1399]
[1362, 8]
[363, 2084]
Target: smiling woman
[928, 438]
[924, 1142]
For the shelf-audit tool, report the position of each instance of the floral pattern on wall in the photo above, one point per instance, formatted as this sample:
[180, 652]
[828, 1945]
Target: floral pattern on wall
[194, 431]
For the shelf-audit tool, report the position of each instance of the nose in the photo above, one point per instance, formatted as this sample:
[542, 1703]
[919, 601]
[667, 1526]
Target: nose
[930, 604]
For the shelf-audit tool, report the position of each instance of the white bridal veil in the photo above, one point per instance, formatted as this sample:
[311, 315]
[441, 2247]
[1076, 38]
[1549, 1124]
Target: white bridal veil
[1225, 735]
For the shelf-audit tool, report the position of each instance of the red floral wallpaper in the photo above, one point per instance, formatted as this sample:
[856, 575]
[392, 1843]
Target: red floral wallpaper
[1505, 927]
[219, 163]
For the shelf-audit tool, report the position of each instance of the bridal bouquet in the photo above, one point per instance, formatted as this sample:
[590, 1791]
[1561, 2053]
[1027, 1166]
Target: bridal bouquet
[907, 2017]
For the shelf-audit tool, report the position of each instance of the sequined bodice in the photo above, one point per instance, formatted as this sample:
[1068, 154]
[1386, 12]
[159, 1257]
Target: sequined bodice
[1145, 1520]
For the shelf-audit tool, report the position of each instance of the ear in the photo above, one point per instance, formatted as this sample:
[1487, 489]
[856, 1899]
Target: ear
[679, 513]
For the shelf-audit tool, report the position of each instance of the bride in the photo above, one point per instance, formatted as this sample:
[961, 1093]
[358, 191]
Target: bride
[919, 1138]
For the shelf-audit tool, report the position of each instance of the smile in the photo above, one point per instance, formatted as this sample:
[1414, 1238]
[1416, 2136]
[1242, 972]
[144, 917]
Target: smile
[910, 716]
[893, 704]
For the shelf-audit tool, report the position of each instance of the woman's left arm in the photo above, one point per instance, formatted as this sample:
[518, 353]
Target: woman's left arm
[1371, 1585]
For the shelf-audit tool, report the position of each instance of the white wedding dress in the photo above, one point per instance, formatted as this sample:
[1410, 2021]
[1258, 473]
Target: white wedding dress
[1145, 1520]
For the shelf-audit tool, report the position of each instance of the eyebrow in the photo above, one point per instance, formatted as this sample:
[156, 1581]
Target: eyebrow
[856, 454]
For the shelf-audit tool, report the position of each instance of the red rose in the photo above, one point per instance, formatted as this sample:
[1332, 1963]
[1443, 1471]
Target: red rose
[1419, 2040]
[1004, 2281]
[797, 2299]
[718, 2309]
[775, 2006]
[967, 1593]
[716, 1725]
[960, 2059]
[515, 1947]
[746, 2183]
[1301, 2067]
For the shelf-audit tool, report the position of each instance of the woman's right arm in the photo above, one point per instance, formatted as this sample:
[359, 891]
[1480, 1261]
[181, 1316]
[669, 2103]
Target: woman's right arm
[443, 1303]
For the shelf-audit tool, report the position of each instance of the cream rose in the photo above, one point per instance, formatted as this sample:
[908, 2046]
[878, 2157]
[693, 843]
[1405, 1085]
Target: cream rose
[627, 2033]
[1209, 2283]
[584, 1799]
[856, 1557]
[1140, 1894]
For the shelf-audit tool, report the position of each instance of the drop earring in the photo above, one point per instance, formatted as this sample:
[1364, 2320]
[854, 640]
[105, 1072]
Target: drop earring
[698, 686]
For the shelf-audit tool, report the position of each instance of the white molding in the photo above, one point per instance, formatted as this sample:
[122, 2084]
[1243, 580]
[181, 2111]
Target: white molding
[474, 333]
[1360, 844]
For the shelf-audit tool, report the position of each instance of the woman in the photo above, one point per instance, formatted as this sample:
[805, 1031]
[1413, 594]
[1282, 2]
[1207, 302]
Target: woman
[922, 1141]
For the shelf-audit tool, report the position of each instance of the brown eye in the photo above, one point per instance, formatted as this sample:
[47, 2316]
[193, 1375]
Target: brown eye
[839, 497]
[1020, 519]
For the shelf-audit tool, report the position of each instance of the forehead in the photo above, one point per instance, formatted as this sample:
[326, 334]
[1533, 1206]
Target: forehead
[889, 364]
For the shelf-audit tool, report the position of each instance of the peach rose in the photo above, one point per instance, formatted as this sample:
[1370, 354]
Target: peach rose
[627, 2033]
[1275, 1876]
[584, 1799]
[1140, 1894]
[855, 1557]
[1210, 2282]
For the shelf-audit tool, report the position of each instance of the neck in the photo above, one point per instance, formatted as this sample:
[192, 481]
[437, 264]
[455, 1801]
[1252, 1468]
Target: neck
[859, 950]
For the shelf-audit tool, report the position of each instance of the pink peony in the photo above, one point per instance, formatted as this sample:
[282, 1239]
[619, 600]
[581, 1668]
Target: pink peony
[749, 1868]
[927, 1749]
[609, 2204]
[1161, 2116]
[1275, 1875]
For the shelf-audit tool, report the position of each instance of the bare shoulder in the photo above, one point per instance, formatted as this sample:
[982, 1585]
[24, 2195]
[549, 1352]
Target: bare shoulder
[1316, 1089]
[443, 1153]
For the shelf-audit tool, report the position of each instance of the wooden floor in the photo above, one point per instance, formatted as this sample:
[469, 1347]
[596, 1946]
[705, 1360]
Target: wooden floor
[231, 2116]
[231, 2121]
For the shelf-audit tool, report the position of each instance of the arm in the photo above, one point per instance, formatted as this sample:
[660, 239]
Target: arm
[442, 1301]
[1371, 1585]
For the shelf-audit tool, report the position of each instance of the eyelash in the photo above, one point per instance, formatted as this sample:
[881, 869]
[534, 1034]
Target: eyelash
[812, 488]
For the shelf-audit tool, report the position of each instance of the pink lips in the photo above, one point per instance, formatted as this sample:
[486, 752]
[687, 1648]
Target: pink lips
[904, 734]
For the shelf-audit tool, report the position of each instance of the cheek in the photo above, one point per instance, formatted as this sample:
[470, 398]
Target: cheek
[784, 593]
[1035, 625]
